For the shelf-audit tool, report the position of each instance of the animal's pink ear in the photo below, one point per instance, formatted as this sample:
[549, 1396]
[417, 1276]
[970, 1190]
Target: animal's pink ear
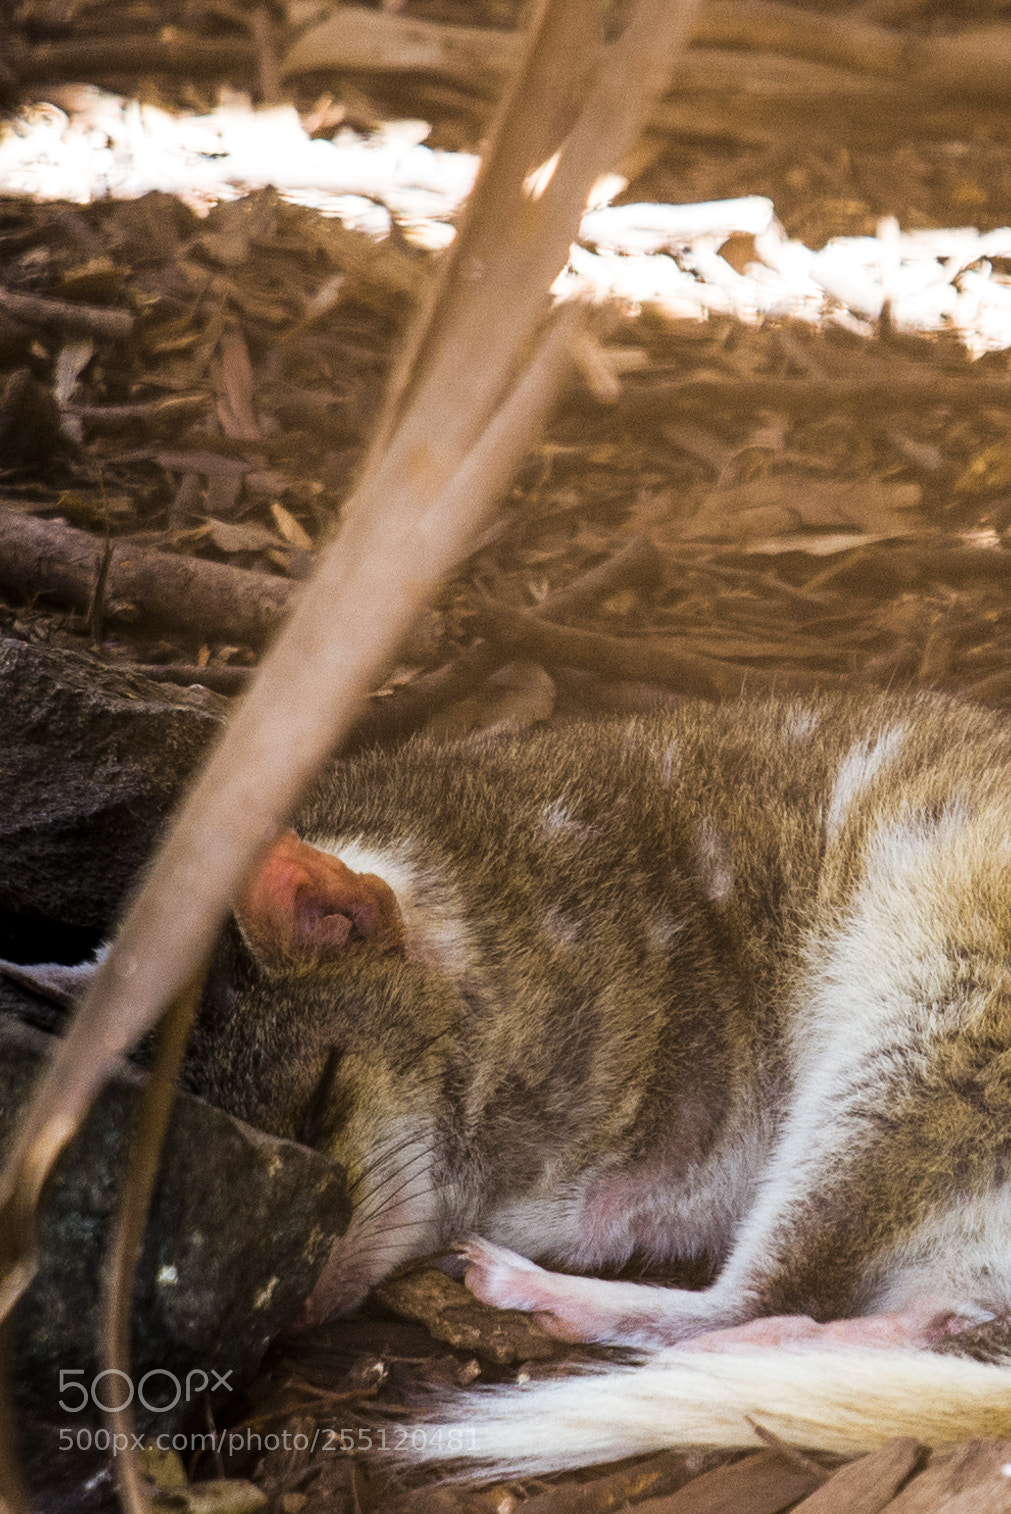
[304, 905]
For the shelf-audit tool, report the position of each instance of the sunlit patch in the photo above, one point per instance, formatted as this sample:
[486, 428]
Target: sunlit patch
[85, 144]
[102, 145]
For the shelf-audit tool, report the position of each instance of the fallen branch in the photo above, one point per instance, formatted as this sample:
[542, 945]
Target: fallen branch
[726, 38]
[211, 600]
[659, 660]
[675, 396]
[638, 563]
[88, 58]
[650, 660]
[355, 40]
[750, 64]
[764, 26]
[67, 316]
[217, 602]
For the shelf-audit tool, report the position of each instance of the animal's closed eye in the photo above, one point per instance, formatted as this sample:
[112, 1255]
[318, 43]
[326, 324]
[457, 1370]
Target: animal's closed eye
[312, 1127]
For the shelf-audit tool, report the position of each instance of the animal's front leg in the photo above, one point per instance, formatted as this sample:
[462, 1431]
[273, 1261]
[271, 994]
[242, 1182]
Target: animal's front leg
[592, 1309]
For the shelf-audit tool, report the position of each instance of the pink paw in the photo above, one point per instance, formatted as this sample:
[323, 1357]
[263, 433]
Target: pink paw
[502, 1277]
[506, 1280]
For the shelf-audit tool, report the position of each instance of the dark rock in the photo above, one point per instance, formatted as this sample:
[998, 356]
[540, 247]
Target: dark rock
[240, 1227]
[91, 760]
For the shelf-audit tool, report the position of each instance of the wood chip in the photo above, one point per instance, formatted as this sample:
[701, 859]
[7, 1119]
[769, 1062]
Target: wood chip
[765, 1483]
[452, 1314]
[664, 1473]
[868, 1485]
[974, 1478]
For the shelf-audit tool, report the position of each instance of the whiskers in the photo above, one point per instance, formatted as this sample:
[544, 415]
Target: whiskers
[397, 1185]
[387, 1156]
[396, 1203]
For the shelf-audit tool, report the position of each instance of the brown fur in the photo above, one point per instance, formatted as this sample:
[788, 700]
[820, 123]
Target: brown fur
[727, 985]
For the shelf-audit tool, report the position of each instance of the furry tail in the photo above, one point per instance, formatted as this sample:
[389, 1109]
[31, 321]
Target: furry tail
[846, 1401]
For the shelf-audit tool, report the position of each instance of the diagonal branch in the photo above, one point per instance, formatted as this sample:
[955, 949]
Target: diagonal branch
[458, 424]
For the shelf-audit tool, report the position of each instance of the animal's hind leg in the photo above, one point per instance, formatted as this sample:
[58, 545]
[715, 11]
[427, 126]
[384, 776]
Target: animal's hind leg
[929, 1322]
[846, 1196]
[591, 1309]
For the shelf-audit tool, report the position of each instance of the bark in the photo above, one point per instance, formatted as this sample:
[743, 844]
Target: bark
[67, 316]
[47, 559]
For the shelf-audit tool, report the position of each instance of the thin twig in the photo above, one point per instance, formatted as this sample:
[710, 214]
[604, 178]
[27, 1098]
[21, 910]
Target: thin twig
[128, 1236]
[13, 1493]
[96, 609]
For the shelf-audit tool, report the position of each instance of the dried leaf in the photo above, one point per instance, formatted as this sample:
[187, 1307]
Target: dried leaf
[765, 1483]
[71, 361]
[964, 1480]
[225, 1495]
[233, 380]
[291, 529]
[519, 695]
[163, 1468]
[773, 505]
[989, 472]
[94, 509]
[233, 536]
[98, 281]
[867, 1485]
